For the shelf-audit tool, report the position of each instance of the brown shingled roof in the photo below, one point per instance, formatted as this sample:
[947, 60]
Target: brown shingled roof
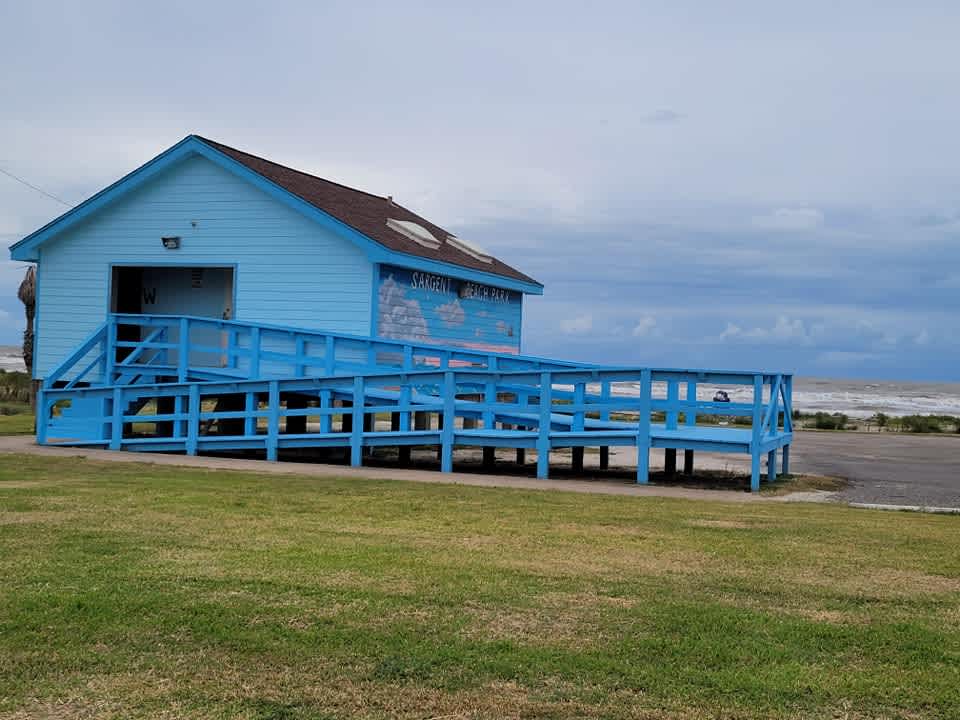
[365, 213]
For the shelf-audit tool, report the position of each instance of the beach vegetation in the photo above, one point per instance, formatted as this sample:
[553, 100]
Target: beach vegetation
[830, 421]
[14, 387]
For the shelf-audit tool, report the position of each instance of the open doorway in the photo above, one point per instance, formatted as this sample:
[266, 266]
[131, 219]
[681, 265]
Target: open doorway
[174, 290]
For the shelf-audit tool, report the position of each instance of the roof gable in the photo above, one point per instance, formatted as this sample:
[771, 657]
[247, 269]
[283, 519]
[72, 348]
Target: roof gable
[359, 215]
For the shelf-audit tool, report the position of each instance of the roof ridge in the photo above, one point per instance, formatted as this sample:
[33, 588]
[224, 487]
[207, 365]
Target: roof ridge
[216, 143]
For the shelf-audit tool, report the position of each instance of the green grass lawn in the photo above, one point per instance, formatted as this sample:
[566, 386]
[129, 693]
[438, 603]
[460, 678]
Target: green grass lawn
[138, 591]
[20, 423]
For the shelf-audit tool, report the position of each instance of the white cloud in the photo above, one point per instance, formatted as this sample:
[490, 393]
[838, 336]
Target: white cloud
[789, 219]
[784, 330]
[577, 324]
[731, 331]
[663, 116]
[644, 327]
[922, 338]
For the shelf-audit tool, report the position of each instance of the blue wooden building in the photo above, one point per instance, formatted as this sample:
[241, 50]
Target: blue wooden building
[210, 231]
[226, 302]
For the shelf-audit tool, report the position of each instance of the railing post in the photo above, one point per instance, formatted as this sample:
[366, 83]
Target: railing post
[330, 355]
[788, 404]
[183, 358]
[178, 423]
[326, 420]
[116, 431]
[691, 414]
[577, 425]
[543, 436]
[449, 419]
[42, 417]
[110, 351]
[405, 394]
[604, 416]
[673, 397]
[273, 420]
[255, 352]
[787, 422]
[604, 397]
[643, 426]
[232, 348]
[300, 366]
[193, 420]
[756, 433]
[356, 429]
[690, 419]
[250, 420]
[489, 399]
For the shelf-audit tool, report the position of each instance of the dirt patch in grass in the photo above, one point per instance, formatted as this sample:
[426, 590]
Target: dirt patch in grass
[721, 524]
[786, 484]
[900, 583]
[34, 517]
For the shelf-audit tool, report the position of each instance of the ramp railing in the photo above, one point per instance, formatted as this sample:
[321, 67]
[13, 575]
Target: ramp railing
[181, 348]
[539, 409]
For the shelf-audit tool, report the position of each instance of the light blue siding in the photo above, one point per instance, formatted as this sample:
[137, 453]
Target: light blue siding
[423, 307]
[289, 269]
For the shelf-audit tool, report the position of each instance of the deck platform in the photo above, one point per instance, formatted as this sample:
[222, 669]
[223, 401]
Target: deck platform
[198, 385]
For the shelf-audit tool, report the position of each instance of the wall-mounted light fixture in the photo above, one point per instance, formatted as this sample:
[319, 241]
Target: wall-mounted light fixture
[171, 243]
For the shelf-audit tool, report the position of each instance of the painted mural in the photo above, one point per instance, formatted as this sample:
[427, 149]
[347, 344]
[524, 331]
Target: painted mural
[424, 307]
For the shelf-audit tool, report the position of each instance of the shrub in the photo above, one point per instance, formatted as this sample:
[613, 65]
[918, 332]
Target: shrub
[14, 387]
[920, 424]
[826, 421]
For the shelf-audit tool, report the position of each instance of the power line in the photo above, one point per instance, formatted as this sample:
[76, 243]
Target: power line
[34, 187]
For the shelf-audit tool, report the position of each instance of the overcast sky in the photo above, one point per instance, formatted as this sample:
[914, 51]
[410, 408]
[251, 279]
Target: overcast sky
[741, 184]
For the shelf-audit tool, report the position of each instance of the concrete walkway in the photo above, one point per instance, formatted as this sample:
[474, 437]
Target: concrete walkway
[24, 444]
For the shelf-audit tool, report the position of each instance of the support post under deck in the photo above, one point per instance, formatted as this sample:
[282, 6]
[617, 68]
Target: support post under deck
[576, 461]
[688, 462]
[670, 462]
[489, 457]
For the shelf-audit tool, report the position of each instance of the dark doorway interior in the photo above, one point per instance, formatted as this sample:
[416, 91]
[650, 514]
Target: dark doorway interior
[127, 298]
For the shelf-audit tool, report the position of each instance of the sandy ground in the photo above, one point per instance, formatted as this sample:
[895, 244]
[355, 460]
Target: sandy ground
[883, 468]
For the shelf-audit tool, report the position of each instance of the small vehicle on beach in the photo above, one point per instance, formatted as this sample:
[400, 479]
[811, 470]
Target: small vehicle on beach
[721, 396]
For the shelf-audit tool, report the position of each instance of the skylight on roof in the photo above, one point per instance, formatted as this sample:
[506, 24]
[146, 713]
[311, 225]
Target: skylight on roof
[469, 248]
[411, 230]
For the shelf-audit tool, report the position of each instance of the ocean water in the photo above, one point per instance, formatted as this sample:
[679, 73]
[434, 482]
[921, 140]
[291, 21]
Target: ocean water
[856, 398]
[863, 398]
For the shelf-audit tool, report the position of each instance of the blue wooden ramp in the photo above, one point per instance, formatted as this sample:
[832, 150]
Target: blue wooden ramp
[189, 384]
